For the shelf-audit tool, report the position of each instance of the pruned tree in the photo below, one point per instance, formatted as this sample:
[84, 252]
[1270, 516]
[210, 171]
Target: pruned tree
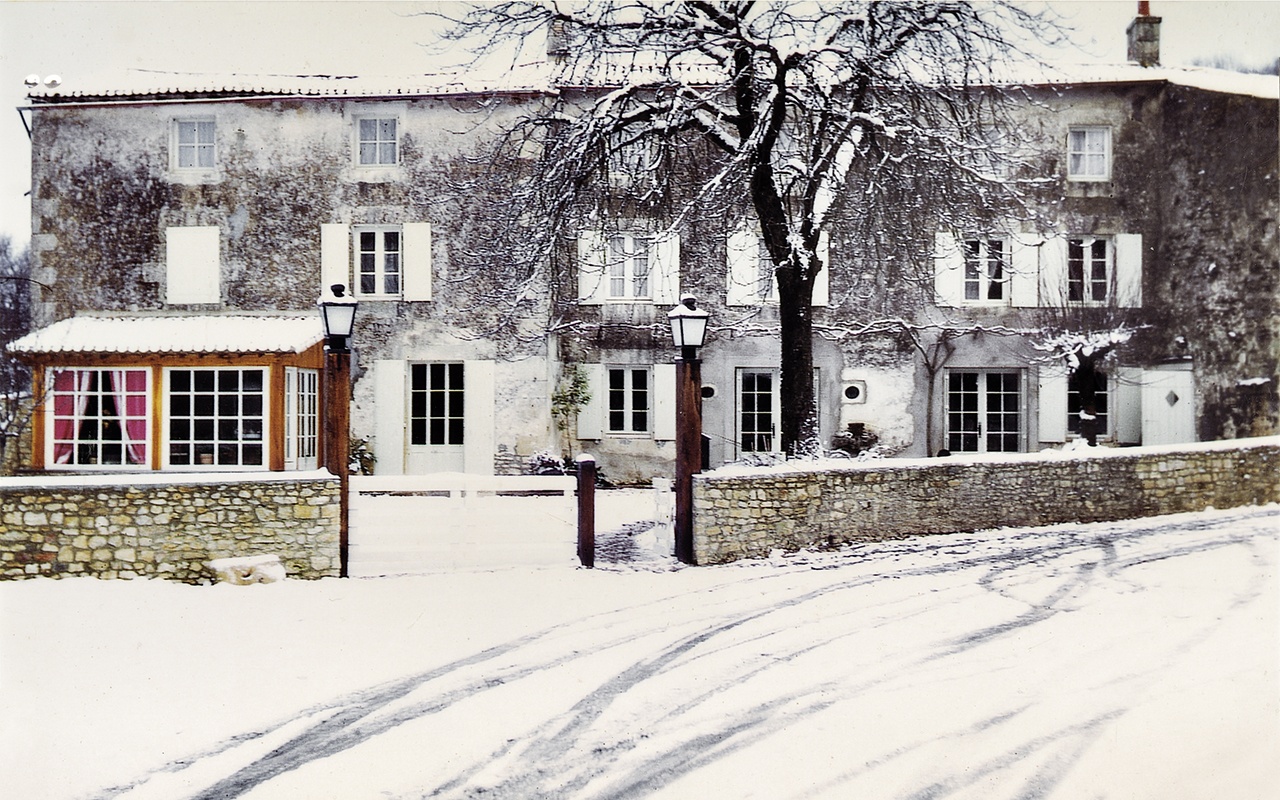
[880, 113]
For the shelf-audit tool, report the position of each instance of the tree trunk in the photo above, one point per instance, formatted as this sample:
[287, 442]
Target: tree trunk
[799, 416]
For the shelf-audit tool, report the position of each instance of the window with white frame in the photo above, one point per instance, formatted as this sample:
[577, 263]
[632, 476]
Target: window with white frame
[194, 144]
[437, 403]
[377, 141]
[629, 400]
[216, 416]
[629, 257]
[379, 255]
[101, 417]
[1089, 269]
[1089, 154]
[985, 273]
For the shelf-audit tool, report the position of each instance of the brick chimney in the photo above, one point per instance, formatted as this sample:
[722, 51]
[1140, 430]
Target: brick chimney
[1144, 37]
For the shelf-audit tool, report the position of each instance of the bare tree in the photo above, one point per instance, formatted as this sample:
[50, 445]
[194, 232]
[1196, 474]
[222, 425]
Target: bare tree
[15, 321]
[883, 113]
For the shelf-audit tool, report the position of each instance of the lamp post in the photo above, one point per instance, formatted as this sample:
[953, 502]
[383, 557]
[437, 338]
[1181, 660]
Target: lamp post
[338, 313]
[688, 331]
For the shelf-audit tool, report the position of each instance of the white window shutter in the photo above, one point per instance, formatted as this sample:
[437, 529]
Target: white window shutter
[1024, 268]
[1053, 273]
[1129, 270]
[335, 256]
[743, 250]
[389, 416]
[591, 416]
[1053, 403]
[948, 261]
[193, 265]
[1126, 405]
[417, 261]
[478, 417]
[664, 402]
[822, 282]
[593, 283]
[664, 271]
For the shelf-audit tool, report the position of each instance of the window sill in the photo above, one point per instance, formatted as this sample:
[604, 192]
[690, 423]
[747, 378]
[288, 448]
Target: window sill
[194, 177]
[380, 174]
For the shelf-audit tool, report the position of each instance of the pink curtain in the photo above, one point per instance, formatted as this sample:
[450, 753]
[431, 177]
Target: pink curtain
[129, 389]
[70, 396]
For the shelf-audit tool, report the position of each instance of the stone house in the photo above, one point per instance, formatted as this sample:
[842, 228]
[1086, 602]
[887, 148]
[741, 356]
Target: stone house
[184, 234]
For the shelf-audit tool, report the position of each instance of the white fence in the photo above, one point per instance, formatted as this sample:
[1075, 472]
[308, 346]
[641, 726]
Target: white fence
[427, 523]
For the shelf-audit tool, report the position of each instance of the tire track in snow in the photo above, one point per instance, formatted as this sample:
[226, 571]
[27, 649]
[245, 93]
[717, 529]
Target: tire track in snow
[552, 756]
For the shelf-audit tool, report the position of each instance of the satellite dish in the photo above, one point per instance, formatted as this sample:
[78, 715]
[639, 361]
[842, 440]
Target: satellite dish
[32, 81]
[53, 81]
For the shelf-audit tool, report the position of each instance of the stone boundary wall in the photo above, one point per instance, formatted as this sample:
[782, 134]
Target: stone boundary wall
[747, 513]
[167, 526]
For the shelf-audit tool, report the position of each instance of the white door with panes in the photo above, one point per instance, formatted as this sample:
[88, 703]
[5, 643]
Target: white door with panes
[984, 411]
[433, 416]
[757, 417]
[301, 418]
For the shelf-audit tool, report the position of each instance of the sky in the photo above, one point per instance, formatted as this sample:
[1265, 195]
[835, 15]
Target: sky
[91, 43]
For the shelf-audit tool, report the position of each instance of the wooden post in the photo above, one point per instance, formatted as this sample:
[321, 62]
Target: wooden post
[337, 432]
[587, 511]
[688, 447]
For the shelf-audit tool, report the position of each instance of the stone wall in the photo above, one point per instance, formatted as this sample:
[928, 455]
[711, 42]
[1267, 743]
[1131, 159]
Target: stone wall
[744, 514]
[167, 526]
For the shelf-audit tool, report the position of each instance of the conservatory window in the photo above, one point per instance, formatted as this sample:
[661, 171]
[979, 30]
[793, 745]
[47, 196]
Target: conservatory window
[100, 417]
[217, 416]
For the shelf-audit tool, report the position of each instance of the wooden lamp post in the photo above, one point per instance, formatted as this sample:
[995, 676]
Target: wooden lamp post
[688, 332]
[338, 312]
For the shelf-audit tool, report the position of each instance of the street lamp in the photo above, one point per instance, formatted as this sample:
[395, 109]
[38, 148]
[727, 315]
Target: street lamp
[688, 331]
[338, 313]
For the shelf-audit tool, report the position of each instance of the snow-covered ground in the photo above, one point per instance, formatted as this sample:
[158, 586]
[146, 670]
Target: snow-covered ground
[1113, 660]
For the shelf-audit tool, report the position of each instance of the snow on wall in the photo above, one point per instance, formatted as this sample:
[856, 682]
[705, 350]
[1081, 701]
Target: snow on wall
[166, 525]
[748, 513]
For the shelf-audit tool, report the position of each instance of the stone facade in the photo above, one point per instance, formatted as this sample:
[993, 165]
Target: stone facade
[748, 515]
[111, 527]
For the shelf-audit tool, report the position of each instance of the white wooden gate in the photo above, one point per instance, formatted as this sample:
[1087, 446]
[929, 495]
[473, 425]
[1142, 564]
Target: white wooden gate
[404, 524]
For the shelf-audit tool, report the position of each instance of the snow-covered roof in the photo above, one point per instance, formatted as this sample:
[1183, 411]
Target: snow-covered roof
[1208, 79]
[190, 333]
[139, 84]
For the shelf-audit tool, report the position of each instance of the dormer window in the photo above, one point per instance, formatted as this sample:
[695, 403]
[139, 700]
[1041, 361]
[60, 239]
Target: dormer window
[194, 144]
[378, 143]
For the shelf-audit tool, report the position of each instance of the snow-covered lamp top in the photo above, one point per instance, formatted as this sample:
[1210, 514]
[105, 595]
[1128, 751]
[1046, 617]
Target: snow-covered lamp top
[688, 323]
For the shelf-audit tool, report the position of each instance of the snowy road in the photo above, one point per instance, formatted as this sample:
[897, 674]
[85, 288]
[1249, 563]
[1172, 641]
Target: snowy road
[1123, 660]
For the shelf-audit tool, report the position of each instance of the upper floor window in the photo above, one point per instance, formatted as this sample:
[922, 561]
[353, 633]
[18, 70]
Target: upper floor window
[194, 144]
[1089, 154]
[1089, 270]
[378, 260]
[628, 267]
[378, 142]
[984, 270]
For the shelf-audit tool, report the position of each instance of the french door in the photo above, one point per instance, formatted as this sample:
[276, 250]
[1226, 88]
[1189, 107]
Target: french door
[984, 411]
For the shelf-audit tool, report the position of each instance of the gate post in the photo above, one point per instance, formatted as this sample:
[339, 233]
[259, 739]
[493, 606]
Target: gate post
[587, 510]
